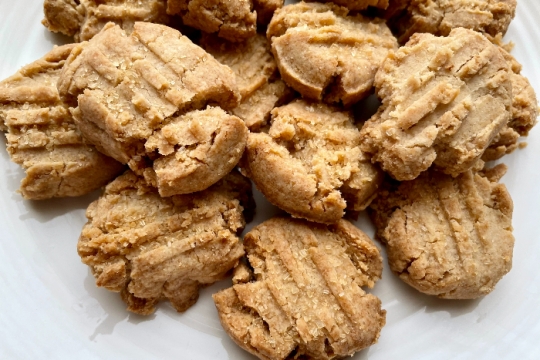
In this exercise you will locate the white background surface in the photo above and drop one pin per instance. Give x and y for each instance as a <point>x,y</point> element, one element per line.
<point>51,309</point>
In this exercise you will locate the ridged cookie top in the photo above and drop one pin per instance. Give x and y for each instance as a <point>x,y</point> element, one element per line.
<point>324,54</point>
<point>305,296</point>
<point>310,163</point>
<point>439,17</point>
<point>150,247</point>
<point>84,19</point>
<point>450,237</point>
<point>42,136</point>
<point>444,99</point>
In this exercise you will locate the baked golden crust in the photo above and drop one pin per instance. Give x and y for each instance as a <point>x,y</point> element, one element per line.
<point>444,100</point>
<point>310,163</point>
<point>83,19</point>
<point>232,20</point>
<point>148,247</point>
<point>325,54</point>
<point>439,17</point>
<point>42,136</point>
<point>134,89</point>
<point>450,237</point>
<point>304,298</point>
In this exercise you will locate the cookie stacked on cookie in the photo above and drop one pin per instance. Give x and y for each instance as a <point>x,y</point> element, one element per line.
<point>280,105</point>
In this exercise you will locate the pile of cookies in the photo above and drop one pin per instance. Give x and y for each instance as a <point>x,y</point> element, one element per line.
<point>176,106</point>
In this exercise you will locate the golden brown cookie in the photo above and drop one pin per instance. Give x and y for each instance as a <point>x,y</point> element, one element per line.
<point>325,54</point>
<point>43,138</point>
<point>265,9</point>
<point>439,17</point>
<point>83,19</point>
<point>444,99</point>
<point>148,247</point>
<point>310,163</point>
<point>450,237</point>
<point>232,20</point>
<point>355,5</point>
<point>142,87</point>
<point>256,75</point>
<point>305,299</point>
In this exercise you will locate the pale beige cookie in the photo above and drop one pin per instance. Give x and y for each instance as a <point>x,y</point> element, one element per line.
<point>137,88</point>
<point>197,149</point>
<point>444,99</point>
<point>324,54</point>
<point>439,17</point>
<point>310,163</point>
<point>256,75</point>
<point>148,247</point>
<point>233,20</point>
<point>42,136</point>
<point>83,19</point>
<point>450,237</point>
<point>524,113</point>
<point>305,300</point>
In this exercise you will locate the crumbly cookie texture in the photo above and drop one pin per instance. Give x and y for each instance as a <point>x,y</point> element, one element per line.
<point>444,99</point>
<point>197,149</point>
<point>356,5</point>
<point>256,75</point>
<point>325,54</point>
<point>524,111</point>
<point>439,17</point>
<point>231,20</point>
<point>83,19</point>
<point>450,237</point>
<point>265,9</point>
<point>145,87</point>
<point>310,163</point>
<point>147,247</point>
<point>42,136</point>
<point>304,297</point>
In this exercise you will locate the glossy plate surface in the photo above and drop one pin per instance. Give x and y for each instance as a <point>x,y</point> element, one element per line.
<point>51,309</point>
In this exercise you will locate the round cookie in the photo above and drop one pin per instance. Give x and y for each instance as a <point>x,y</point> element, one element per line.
<point>304,298</point>
<point>444,99</point>
<point>84,19</point>
<point>129,90</point>
<point>310,163</point>
<point>42,136</point>
<point>440,17</point>
<point>148,247</point>
<point>449,237</point>
<point>325,54</point>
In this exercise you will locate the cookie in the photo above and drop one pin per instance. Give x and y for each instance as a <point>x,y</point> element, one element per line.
<point>256,75</point>
<point>231,20</point>
<point>444,99</point>
<point>439,17</point>
<point>133,88</point>
<point>147,247</point>
<point>305,299</point>
<point>356,5</point>
<point>325,54</point>
<point>449,237</point>
<point>42,136</point>
<point>310,163</point>
<point>196,150</point>
<point>85,18</point>
<point>265,9</point>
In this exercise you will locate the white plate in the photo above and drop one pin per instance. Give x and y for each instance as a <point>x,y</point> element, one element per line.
<point>51,309</point>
